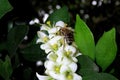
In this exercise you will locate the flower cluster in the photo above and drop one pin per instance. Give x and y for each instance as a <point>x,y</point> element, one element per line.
<point>61,63</point>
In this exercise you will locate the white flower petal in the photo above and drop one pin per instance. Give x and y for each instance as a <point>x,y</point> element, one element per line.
<point>41,34</point>
<point>78,54</point>
<point>36,20</point>
<point>70,48</point>
<point>42,77</point>
<point>60,51</point>
<point>54,75</point>
<point>76,77</point>
<point>73,67</point>
<point>42,37</point>
<point>74,59</point>
<point>51,36</point>
<point>62,77</point>
<point>31,22</point>
<point>39,63</point>
<point>47,50</point>
<point>45,46</point>
<point>59,59</point>
<point>44,27</point>
<point>60,24</point>
<point>66,61</point>
<point>55,40</point>
<point>54,30</point>
<point>64,68</point>
<point>49,65</point>
<point>39,40</point>
<point>52,56</point>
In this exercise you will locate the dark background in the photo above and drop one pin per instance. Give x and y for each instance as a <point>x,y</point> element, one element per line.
<point>100,17</point>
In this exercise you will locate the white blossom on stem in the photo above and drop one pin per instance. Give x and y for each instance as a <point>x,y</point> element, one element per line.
<point>61,63</point>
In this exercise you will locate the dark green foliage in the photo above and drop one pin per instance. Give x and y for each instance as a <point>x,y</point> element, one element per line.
<point>87,66</point>
<point>90,71</point>
<point>4,7</point>
<point>6,68</point>
<point>33,53</point>
<point>60,15</point>
<point>99,76</point>
<point>15,37</point>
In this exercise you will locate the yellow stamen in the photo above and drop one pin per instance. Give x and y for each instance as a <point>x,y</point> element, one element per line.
<point>48,23</point>
<point>69,76</point>
<point>55,47</point>
<point>57,33</point>
<point>62,41</point>
<point>57,69</point>
<point>45,39</point>
<point>68,53</point>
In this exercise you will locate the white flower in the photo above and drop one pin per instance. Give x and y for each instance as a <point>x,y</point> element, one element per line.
<point>42,77</point>
<point>70,50</point>
<point>46,47</point>
<point>52,69</point>
<point>61,63</point>
<point>52,56</point>
<point>44,27</point>
<point>76,77</point>
<point>55,69</point>
<point>68,67</point>
<point>53,30</point>
<point>52,45</point>
<point>60,24</point>
<point>66,62</point>
<point>42,37</point>
<point>56,40</point>
<point>70,76</point>
<point>67,51</point>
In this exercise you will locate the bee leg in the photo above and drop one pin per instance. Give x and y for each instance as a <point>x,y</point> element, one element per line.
<point>64,43</point>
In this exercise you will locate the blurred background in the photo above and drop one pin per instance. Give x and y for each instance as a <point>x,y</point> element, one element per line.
<point>99,15</point>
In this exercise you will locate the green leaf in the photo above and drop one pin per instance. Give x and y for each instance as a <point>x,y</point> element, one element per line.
<point>106,49</point>
<point>86,65</point>
<point>15,37</point>
<point>6,68</point>
<point>86,72</point>
<point>106,76</point>
<point>60,15</point>
<point>84,38</point>
<point>34,40</point>
<point>4,7</point>
<point>33,53</point>
<point>93,76</point>
<point>99,76</point>
<point>16,61</point>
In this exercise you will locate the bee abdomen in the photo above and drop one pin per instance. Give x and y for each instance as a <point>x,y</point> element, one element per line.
<point>69,39</point>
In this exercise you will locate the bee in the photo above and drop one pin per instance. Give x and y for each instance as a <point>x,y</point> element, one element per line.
<point>67,32</point>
